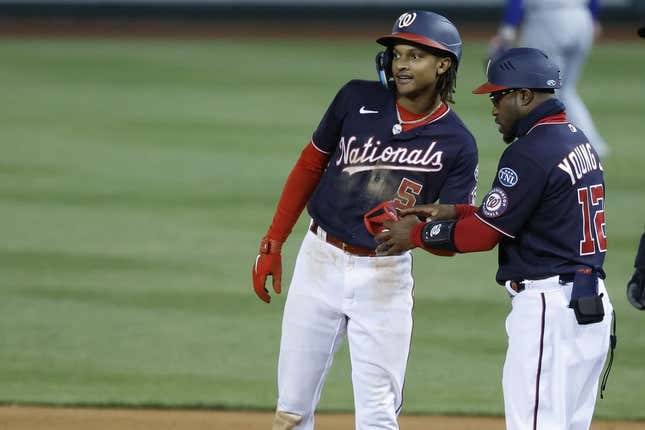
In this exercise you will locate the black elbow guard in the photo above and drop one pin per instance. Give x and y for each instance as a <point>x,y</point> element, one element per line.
<point>439,235</point>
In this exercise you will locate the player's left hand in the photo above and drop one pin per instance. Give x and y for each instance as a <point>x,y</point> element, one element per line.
<point>395,238</point>
<point>268,262</point>
<point>636,290</point>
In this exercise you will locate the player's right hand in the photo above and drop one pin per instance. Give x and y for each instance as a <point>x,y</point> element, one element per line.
<point>268,262</point>
<point>432,212</point>
<point>636,290</point>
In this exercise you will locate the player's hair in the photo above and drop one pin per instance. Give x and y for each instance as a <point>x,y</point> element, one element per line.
<point>446,84</point>
<point>448,81</point>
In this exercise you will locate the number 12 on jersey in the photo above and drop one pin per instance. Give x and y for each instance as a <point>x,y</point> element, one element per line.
<point>592,202</point>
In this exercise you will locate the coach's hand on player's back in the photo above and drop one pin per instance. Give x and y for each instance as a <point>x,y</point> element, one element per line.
<point>268,262</point>
<point>433,211</point>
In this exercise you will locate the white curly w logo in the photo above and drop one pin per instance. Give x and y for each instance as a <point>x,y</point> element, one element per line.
<point>407,19</point>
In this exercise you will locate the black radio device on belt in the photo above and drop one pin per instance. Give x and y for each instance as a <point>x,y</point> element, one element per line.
<point>585,300</point>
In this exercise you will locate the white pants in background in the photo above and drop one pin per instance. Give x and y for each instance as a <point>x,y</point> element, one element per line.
<point>553,364</point>
<point>566,35</point>
<point>334,295</point>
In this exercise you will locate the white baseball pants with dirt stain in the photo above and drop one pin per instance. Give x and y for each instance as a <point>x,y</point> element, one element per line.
<point>335,295</point>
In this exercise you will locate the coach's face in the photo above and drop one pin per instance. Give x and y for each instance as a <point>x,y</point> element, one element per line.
<point>511,105</point>
<point>506,112</point>
<point>416,70</point>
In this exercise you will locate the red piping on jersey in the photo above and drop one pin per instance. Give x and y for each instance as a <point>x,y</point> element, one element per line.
<point>316,146</point>
<point>492,226</point>
<point>558,118</point>
<point>300,185</point>
<point>406,115</point>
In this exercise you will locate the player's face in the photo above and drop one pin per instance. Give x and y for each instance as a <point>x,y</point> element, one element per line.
<point>416,70</point>
<point>506,112</point>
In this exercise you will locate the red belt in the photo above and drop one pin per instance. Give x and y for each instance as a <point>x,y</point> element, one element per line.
<point>350,249</point>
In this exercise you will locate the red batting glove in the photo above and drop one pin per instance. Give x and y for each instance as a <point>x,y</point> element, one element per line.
<point>375,217</point>
<point>268,262</point>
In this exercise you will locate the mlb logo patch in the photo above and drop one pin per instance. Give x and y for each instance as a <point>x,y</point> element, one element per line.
<point>507,177</point>
<point>495,203</point>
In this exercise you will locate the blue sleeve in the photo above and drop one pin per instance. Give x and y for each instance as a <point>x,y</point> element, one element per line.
<point>327,134</point>
<point>513,13</point>
<point>460,186</point>
<point>594,8</point>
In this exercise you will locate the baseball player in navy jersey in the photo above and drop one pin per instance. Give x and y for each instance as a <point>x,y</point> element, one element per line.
<point>564,30</point>
<point>395,140</point>
<point>546,212</point>
<point>636,285</point>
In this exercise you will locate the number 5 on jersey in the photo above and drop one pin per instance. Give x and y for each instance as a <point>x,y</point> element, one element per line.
<point>406,195</point>
<point>592,200</point>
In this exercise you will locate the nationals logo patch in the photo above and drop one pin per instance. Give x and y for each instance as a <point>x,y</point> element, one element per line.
<point>507,177</point>
<point>495,203</point>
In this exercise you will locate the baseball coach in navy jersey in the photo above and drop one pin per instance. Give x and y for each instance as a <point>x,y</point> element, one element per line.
<point>546,211</point>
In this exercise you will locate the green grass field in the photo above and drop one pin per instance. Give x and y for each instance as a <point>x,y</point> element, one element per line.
<point>137,177</point>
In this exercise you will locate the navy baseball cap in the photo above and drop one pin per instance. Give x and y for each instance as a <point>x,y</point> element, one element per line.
<point>520,68</point>
<point>427,29</point>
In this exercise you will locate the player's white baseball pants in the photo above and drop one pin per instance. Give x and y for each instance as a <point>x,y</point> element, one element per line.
<point>552,363</point>
<point>332,295</point>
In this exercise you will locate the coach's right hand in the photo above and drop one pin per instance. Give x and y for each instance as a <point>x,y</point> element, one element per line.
<point>433,211</point>
<point>268,262</point>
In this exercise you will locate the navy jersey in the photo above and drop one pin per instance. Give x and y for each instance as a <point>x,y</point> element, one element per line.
<point>369,164</point>
<point>548,200</point>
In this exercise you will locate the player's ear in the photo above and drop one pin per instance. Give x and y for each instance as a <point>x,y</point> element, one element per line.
<point>443,65</point>
<point>526,96</point>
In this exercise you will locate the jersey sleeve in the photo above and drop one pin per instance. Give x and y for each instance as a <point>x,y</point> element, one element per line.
<point>594,8</point>
<point>513,12</point>
<point>326,136</point>
<point>517,190</point>
<point>461,184</point>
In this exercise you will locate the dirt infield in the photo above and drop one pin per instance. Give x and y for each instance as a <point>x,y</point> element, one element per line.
<point>41,418</point>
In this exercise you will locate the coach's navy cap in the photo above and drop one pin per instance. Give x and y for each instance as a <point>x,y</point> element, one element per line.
<point>520,68</point>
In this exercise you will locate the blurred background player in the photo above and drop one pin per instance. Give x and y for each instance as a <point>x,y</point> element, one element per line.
<point>636,285</point>
<point>391,140</point>
<point>565,31</point>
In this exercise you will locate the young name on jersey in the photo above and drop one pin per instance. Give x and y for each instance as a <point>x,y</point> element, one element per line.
<point>579,162</point>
